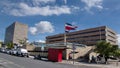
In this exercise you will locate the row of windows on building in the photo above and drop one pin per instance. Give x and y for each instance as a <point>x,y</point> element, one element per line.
<point>86,32</point>
<point>75,34</point>
<point>82,37</point>
<point>82,40</point>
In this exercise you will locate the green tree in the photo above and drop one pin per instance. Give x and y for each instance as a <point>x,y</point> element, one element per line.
<point>23,41</point>
<point>106,49</point>
<point>116,52</point>
<point>10,45</point>
<point>1,43</point>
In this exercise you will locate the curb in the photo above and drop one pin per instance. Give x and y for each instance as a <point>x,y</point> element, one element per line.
<point>92,65</point>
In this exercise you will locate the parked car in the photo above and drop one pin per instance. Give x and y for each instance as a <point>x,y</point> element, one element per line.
<point>3,50</point>
<point>22,52</point>
<point>8,51</point>
<point>13,52</point>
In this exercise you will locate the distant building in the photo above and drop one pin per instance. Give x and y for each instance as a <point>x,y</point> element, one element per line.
<point>88,36</point>
<point>15,32</point>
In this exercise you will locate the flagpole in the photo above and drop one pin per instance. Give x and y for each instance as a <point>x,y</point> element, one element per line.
<point>68,27</point>
<point>65,42</point>
<point>64,36</point>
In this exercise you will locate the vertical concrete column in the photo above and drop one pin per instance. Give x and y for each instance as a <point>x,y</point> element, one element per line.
<point>67,53</point>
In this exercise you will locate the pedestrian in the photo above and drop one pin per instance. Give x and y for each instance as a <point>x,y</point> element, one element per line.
<point>98,59</point>
<point>90,58</point>
<point>70,56</point>
<point>106,59</point>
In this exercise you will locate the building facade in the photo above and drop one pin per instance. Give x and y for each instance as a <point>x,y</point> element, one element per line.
<point>15,32</point>
<point>88,36</point>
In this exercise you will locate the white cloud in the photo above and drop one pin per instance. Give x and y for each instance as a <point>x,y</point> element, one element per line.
<point>33,30</point>
<point>118,38</point>
<point>41,41</point>
<point>23,9</point>
<point>45,1</point>
<point>38,2</point>
<point>36,7</point>
<point>93,3</point>
<point>42,27</point>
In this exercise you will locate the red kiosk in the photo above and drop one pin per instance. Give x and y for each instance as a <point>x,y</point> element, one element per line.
<point>55,54</point>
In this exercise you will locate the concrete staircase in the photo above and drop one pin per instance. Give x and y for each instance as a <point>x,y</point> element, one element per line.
<point>82,51</point>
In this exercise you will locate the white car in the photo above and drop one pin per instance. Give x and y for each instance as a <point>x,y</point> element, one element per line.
<point>14,51</point>
<point>22,52</point>
<point>3,50</point>
<point>10,51</point>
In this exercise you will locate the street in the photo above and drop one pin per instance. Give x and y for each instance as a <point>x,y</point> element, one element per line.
<point>8,61</point>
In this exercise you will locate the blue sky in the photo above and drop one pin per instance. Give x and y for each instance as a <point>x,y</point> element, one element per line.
<point>47,17</point>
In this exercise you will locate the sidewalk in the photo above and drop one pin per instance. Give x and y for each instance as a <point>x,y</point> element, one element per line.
<point>110,65</point>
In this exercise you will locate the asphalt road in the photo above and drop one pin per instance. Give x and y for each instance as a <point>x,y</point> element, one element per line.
<point>8,61</point>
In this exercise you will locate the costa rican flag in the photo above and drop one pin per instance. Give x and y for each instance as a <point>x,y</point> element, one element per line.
<point>69,27</point>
